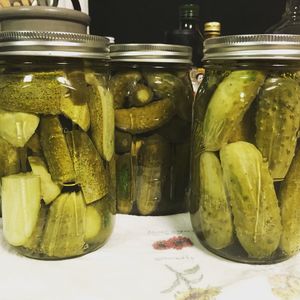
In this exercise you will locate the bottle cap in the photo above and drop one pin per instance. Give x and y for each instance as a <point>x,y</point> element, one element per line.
<point>212,27</point>
<point>189,11</point>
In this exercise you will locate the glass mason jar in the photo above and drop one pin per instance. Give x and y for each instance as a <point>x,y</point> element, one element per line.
<point>56,143</point>
<point>153,99</point>
<point>245,180</point>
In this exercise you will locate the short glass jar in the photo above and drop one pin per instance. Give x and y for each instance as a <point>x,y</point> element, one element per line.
<point>245,181</point>
<point>153,99</point>
<point>56,143</point>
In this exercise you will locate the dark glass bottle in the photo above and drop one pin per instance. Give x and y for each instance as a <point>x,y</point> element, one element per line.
<point>290,20</point>
<point>188,33</point>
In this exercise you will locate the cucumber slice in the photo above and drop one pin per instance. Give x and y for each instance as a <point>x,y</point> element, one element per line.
<point>49,189</point>
<point>16,127</point>
<point>21,195</point>
<point>78,113</point>
<point>93,224</point>
<point>102,118</point>
<point>64,231</point>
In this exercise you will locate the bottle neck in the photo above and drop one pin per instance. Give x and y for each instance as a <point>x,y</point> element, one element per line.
<point>292,8</point>
<point>189,23</point>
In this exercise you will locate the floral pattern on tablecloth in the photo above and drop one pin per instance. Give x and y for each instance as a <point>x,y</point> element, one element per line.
<point>285,286</point>
<point>186,285</point>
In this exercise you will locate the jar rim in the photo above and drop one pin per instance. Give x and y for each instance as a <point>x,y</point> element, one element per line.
<point>252,47</point>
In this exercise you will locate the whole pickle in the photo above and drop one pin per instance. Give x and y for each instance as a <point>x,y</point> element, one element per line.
<point>140,95</point>
<point>56,151</point>
<point>152,174</point>
<point>121,84</point>
<point>277,123</point>
<point>9,159</point>
<point>102,117</point>
<point>228,105</point>
<point>253,199</point>
<point>290,209</point>
<point>123,142</point>
<point>125,184</point>
<point>89,168</point>
<point>64,231</point>
<point>39,93</point>
<point>167,85</point>
<point>214,212</point>
<point>138,120</point>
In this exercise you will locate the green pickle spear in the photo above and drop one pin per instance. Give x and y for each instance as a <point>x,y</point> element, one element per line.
<point>290,209</point>
<point>228,106</point>
<point>64,230</point>
<point>277,123</point>
<point>152,174</point>
<point>253,199</point>
<point>214,211</point>
<point>121,84</point>
<point>9,159</point>
<point>125,183</point>
<point>89,167</point>
<point>143,119</point>
<point>38,92</point>
<point>102,117</point>
<point>21,202</point>
<point>167,85</point>
<point>56,150</point>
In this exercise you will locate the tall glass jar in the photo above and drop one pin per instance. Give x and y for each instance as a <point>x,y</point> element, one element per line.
<point>56,143</point>
<point>245,181</point>
<point>153,99</point>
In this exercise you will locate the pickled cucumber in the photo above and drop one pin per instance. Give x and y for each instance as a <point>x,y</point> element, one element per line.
<point>152,174</point>
<point>290,209</point>
<point>79,114</point>
<point>93,224</point>
<point>123,141</point>
<point>228,105</point>
<point>140,95</point>
<point>21,202</point>
<point>9,159</point>
<point>214,213</point>
<point>49,189</point>
<point>78,87</point>
<point>89,168</point>
<point>102,119</point>
<point>34,144</point>
<point>65,227</point>
<point>34,242</point>
<point>39,92</point>
<point>167,85</point>
<point>16,127</point>
<point>125,183</point>
<point>277,123</point>
<point>56,151</point>
<point>253,200</point>
<point>121,84</point>
<point>143,119</point>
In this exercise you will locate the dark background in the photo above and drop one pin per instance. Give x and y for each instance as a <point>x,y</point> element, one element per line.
<point>146,20</point>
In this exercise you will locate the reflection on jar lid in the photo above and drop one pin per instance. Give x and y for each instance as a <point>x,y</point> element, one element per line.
<point>252,47</point>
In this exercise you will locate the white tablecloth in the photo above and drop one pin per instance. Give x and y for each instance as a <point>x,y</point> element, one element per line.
<point>134,265</point>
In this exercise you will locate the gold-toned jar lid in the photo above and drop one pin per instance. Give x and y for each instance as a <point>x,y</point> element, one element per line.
<point>212,26</point>
<point>253,47</point>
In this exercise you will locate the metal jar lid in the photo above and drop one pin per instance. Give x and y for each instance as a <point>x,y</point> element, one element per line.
<point>48,31</point>
<point>253,47</point>
<point>159,53</point>
<point>53,44</point>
